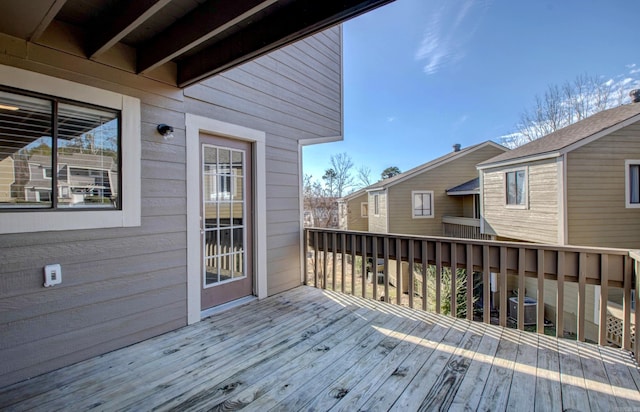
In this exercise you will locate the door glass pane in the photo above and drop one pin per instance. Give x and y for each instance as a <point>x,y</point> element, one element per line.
<point>238,265</point>
<point>225,213</point>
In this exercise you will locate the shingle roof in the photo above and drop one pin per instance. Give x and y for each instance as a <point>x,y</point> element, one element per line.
<point>571,134</point>
<point>472,185</point>
<point>429,165</point>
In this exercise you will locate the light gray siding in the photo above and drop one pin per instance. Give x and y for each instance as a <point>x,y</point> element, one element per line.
<point>124,285</point>
<point>596,211</point>
<point>378,222</point>
<point>539,220</point>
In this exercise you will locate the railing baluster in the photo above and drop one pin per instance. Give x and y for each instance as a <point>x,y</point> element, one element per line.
<point>469,271</point>
<point>316,256</point>
<point>399,271</point>
<point>364,266</point>
<point>604,298</point>
<point>540,294</point>
<point>454,265</point>
<point>626,303</point>
<point>521,290</point>
<point>486,286</point>
<point>503,286</point>
<point>305,250</point>
<point>374,267</point>
<point>438,275</point>
<point>582,278</point>
<point>343,261</point>
<point>386,269</point>
<point>325,261</point>
<point>560,296</point>
<point>425,264</point>
<point>354,242</point>
<point>410,288</point>
<point>334,252</point>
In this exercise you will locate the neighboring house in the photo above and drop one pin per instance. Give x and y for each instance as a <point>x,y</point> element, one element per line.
<point>421,200</point>
<point>239,98</point>
<point>577,186</point>
<point>353,211</point>
<point>321,212</point>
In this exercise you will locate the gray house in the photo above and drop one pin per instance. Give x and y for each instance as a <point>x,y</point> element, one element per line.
<point>201,108</point>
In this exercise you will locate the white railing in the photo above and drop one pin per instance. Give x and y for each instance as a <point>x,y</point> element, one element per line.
<point>415,271</point>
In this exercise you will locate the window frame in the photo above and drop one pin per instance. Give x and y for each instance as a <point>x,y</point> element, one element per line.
<point>364,209</point>
<point>129,215</point>
<point>431,204</point>
<point>627,183</point>
<point>525,203</point>
<point>376,204</point>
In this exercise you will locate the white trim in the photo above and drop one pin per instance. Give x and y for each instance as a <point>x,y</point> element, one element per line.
<point>130,215</point>
<point>464,193</point>
<point>361,209</point>
<point>482,222</point>
<point>627,193</point>
<point>320,140</point>
<point>431,200</point>
<point>194,126</point>
<point>226,306</point>
<point>376,204</point>
<point>519,160</point>
<point>428,166</point>
<point>525,205</point>
<point>301,217</point>
<point>563,226</point>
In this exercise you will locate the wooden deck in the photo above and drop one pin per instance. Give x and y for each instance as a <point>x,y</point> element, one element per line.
<point>309,349</point>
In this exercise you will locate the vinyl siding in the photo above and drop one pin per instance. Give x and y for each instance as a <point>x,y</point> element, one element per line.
<point>597,215</point>
<point>355,221</point>
<point>378,223</point>
<point>124,285</point>
<point>536,223</point>
<point>437,180</point>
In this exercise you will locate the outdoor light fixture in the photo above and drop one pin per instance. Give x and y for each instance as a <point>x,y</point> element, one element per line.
<point>165,130</point>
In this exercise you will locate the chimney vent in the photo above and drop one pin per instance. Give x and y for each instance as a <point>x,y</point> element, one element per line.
<point>635,95</point>
<point>456,147</point>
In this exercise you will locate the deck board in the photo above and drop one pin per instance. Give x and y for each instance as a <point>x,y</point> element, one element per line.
<point>309,349</point>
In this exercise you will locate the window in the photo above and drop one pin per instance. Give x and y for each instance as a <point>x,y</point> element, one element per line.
<point>516,188</point>
<point>364,209</point>
<point>422,204</point>
<point>376,205</point>
<point>632,177</point>
<point>74,148</point>
<point>46,132</point>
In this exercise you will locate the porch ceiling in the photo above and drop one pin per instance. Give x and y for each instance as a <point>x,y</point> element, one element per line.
<point>201,37</point>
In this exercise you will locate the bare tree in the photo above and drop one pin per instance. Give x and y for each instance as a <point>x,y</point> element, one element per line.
<point>342,164</point>
<point>319,207</point>
<point>364,176</point>
<point>562,106</point>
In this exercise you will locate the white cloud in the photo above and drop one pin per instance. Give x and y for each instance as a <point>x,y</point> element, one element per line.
<point>391,119</point>
<point>447,31</point>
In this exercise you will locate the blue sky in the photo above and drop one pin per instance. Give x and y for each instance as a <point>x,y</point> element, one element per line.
<point>422,75</point>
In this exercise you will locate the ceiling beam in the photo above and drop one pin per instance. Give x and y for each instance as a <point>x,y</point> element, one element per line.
<point>201,24</point>
<point>286,25</point>
<point>47,19</point>
<point>117,24</point>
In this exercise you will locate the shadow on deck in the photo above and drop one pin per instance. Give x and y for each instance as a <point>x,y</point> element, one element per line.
<point>309,349</point>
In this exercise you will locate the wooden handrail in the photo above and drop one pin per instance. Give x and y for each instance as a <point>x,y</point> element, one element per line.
<point>376,255</point>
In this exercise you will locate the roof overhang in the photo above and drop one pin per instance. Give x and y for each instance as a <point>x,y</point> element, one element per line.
<point>200,38</point>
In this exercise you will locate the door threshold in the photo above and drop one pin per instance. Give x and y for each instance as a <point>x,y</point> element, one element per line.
<point>226,306</point>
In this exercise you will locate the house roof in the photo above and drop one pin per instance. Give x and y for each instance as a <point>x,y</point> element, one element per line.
<point>353,195</point>
<point>196,38</point>
<point>600,123</point>
<point>383,184</point>
<point>470,187</point>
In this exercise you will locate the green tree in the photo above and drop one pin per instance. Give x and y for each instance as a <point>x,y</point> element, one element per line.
<point>390,172</point>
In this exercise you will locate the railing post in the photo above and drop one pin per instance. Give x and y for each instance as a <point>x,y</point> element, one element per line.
<point>503,286</point>
<point>343,261</point>
<point>374,267</point>
<point>353,263</point>
<point>521,289</point>
<point>325,248</point>
<point>316,276</point>
<point>425,264</point>
<point>411,278</point>
<point>486,286</point>
<point>305,251</point>
<point>582,277</point>
<point>398,271</point>
<point>438,276</point>
<point>386,269</point>
<point>364,266</point>
<point>469,270</point>
<point>334,254</point>
<point>560,296</point>
<point>453,299</point>
<point>626,303</point>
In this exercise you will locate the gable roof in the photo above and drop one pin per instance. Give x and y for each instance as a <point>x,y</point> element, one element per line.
<point>353,195</point>
<point>595,126</point>
<point>383,184</point>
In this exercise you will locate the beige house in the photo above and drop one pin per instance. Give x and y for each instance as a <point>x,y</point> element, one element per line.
<point>203,108</point>
<point>577,186</point>
<point>422,200</point>
<point>353,211</point>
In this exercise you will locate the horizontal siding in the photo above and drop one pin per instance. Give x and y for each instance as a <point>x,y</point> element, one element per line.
<point>537,223</point>
<point>124,285</point>
<point>438,180</point>
<point>378,223</point>
<point>354,214</point>
<point>596,210</point>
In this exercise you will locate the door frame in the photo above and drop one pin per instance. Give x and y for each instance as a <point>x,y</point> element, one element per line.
<point>194,125</point>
